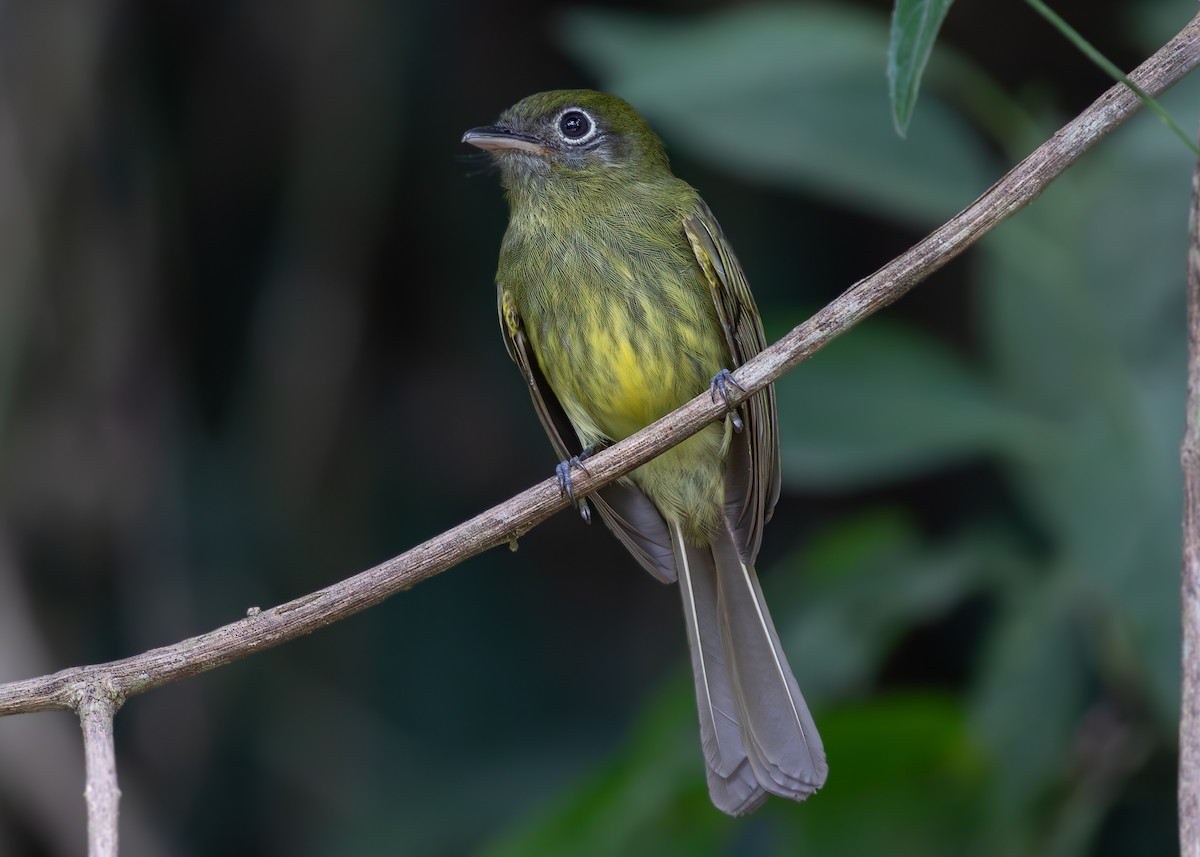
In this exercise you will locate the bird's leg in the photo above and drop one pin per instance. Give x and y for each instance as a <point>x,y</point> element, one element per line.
<point>563,472</point>
<point>721,382</point>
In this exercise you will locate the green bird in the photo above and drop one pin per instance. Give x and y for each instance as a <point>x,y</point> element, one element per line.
<point>620,299</point>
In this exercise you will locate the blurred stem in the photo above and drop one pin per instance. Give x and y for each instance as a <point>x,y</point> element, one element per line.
<point>1088,50</point>
<point>19,254</point>
<point>1189,720</point>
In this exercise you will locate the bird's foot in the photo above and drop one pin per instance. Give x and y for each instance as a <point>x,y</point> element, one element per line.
<point>720,384</point>
<point>563,472</point>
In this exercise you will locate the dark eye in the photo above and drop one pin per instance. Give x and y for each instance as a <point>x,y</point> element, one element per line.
<point>575,126</point>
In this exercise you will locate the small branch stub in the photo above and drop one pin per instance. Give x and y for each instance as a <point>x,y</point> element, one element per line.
<point>97,704</point>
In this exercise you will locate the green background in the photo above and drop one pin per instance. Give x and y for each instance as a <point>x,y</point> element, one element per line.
<point>248,347</point>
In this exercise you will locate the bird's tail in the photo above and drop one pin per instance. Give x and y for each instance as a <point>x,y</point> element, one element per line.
<point>757,733</point>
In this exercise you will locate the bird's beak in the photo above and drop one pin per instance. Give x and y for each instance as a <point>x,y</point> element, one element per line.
<point>494,138</point>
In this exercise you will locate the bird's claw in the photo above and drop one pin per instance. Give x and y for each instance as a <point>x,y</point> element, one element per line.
<point>720,384</point>
<point>563,472</point>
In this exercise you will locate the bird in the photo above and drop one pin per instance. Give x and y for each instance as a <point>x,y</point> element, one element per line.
<point>620,299</point>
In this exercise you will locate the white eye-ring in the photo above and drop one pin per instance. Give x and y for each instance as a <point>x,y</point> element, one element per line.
<point>576,127</point>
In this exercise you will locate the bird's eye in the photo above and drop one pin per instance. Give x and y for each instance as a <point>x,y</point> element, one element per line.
<point>576,127</point>
<point>574,124</point>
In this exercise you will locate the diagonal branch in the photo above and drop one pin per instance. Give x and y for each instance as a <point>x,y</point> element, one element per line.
<point>512,519</point>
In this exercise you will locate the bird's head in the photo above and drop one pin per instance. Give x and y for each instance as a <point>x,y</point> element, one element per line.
<point>570,133</point>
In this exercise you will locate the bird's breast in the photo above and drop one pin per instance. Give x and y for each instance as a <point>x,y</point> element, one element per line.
<point>623,327</point>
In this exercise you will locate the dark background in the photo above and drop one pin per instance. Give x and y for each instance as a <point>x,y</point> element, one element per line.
<point>248,346</point>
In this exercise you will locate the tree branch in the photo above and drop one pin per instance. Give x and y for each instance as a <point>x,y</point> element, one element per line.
<point>1189,713</point>
<point>97,705</point>
<point>84,689</point>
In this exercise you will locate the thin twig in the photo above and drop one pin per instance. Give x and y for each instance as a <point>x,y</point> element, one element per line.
<point>511,520</point>
<point>1189,714</point>
<point>1088,50</point>
<point>97,704</point>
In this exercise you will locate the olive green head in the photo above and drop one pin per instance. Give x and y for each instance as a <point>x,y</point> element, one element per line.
<point>570,132</point>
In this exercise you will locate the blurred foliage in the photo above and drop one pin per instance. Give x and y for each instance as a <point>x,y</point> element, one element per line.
<point>718,85</point>
<point>1112,70</point>
<point>248,346</point>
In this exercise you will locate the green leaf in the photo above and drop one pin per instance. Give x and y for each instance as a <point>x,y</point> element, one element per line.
<point>1035,654</point>
<point>915,25</point>
<point>786,95</point>
<point>1084,320</point>
<point>650,797</point>
<point>863,584</point>
<point>1031,695</point>
<point>887,402</point>
<point>906,779</point>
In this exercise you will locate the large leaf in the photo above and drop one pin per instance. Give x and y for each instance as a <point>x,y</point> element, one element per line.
<point>648,798</point>
<point>915,25</point>
<point>790,95</point>
<point>1084,318</point>
<point>862,585</point>
<point>1028,706</point>
<point>906,779</point>
<point>886,402</point>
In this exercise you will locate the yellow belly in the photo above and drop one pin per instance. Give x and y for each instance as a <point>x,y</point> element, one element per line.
<point>635,391</point>
<point>619,385</point>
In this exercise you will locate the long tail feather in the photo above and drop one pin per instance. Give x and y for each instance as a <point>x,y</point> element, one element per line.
<point>781,739</point>
<point>757,733</point>
<point>732,783</point>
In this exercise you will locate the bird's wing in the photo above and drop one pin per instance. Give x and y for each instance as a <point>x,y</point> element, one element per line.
<point>625,510</point>
<point>752,469</point>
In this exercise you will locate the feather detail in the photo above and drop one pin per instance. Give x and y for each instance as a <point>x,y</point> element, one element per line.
<point>732,783</point>
<point>755,728</point>
<point>778,732</point>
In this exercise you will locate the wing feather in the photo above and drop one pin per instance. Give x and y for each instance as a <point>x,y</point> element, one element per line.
<point>752,469</point>
<point>626,511</point>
